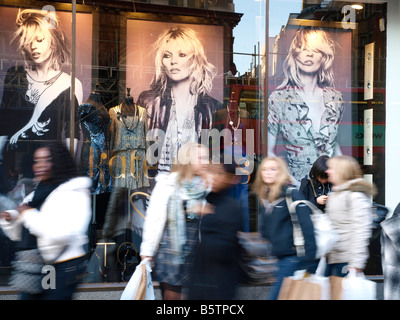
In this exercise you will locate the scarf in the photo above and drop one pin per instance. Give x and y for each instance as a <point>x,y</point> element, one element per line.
<point>270,206</point>
<point>42,191</point>
<point>193,192</point>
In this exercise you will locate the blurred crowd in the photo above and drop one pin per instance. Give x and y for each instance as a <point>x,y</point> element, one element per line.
<point>192,222</point>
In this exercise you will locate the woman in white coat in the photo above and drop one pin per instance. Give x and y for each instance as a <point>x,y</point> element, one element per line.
<point>349,207</point>
<point>170,231</point>
<point>54,219</point>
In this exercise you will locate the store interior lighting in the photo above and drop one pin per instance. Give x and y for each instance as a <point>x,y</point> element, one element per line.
<point>357,6</point>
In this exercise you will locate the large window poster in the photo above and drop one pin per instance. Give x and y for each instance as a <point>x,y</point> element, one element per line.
<point>175,71</point>
<point>35,81</point>
<point>309,107</point>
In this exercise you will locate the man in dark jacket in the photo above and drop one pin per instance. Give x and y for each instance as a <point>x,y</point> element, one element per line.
<point>215,272</point>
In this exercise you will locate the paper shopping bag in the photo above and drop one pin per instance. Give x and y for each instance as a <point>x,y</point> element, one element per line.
<point>336,287</point>
<point>141,291</point>
<point>301,289</point>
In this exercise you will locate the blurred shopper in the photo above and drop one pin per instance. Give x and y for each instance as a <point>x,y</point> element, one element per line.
<point>170,230</point>
<point>215,272</point>
<point>271,184</point>
<point>391,255</point>
<point>349,207</point>
<point>317,187</point>
<point>54,218</point>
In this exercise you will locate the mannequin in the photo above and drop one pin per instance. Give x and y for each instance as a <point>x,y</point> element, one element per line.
<point>128,106</point>
<point>232,118</point>
<point>128,145</point>
<point>233,146</point>
<point>96,121</point>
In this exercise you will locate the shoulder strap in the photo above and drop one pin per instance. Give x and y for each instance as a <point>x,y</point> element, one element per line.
<point>312,185</point>
<point>298,237</point>
<point>309,204</point>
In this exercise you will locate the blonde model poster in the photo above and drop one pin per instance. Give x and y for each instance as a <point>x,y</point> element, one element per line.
<point>35,86</point>
<point>309,96</point>
<point>175,72</point>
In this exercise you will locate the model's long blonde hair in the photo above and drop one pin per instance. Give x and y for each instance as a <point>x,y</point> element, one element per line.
<point>271,192</point>
<point>31,21</point>
<point>315,40</point>
<point>202,72</point>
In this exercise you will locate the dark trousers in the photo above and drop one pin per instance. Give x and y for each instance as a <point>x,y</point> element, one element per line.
<point>286,268</point>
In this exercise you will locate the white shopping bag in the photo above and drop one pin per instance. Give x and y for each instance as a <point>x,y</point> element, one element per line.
<point>355,286</point>
<point>13,228</point>
<point>140,286</point>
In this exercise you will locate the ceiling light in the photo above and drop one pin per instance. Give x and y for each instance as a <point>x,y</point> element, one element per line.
<point>357,6</point>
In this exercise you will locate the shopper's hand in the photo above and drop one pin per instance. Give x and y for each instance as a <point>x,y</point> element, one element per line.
<point>358,270</point>
<point>23,207</point>
<point>207,209</point>
<point>6,216</point>
<point>322,200</point>
<point>146,257</point>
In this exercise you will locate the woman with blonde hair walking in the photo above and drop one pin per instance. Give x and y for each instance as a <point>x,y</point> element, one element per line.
<point>170,231</point>
<point>349,208</point>
<point>271,185</point>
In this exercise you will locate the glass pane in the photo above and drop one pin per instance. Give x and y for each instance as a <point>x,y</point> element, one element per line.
<point>118,84</point>
<point>326,83</point>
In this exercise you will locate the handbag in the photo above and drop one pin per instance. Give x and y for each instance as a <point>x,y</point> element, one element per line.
<point>27,274</point>
<point>255,259</point>
<point>140,285</point>
<point>325,234</point>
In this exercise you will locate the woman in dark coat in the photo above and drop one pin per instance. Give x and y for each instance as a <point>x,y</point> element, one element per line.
<point>316,187</point>
<point>215,273</point>
<point>271,185</point>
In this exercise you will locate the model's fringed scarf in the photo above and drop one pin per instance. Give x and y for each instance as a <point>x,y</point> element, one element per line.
<point>194,193</point>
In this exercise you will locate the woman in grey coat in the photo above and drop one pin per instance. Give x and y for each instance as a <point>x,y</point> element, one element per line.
<point>349,208</point>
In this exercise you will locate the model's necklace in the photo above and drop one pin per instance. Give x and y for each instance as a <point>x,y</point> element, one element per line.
<point>122,117</point>
<point>230,120</point>
<point>37,88</point>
